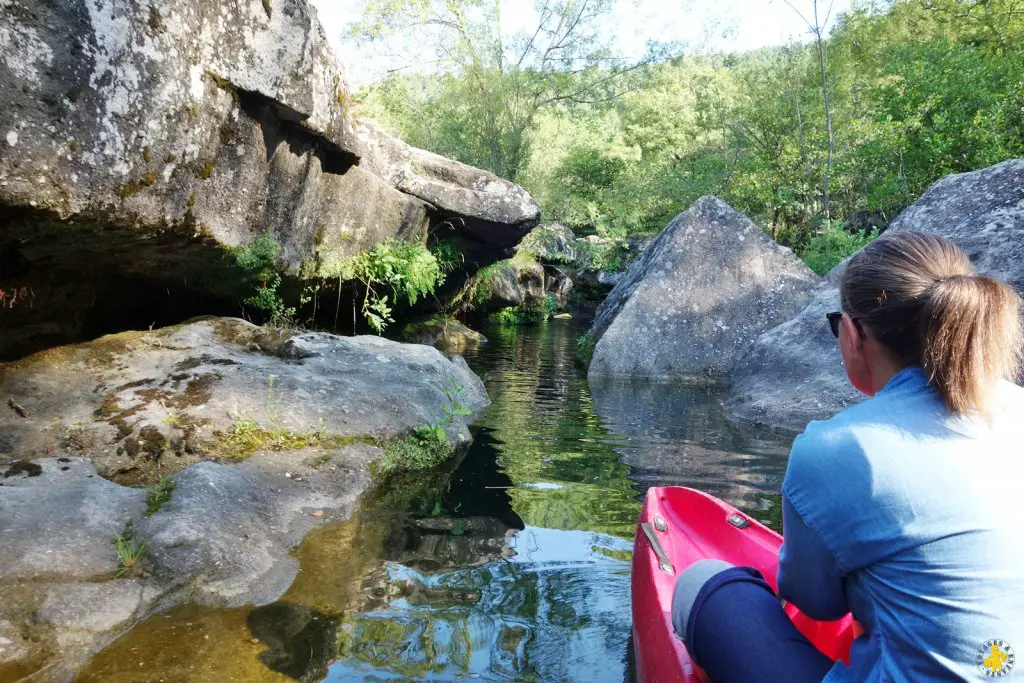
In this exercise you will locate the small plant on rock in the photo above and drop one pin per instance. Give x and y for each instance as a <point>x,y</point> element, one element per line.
<point>130,550</point>
<point>585,348</point>
<point>157,494</point>
<point>428,445</point>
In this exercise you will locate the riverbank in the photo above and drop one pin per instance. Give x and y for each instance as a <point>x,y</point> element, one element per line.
<point>179,466</point>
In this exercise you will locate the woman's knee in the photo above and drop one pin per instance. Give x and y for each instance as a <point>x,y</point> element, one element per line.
<point>688,587</point>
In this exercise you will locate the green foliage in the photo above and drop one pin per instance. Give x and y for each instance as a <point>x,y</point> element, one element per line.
<point>259,255</point>
<point>510,316</point>
<point>130,551</point>
<point>490,88</point>
<point>609,255</point>
<point>919,89</point>
<point>409,271</point>
<point>157,494</point>
<point>585,348</point>
<point>260,259</point>
<point>428,445</point>
<point>526,314</point>
<point>833,244</point>
<point>448,255</point>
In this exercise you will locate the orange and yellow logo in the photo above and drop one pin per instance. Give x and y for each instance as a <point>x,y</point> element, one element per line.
<point>995,658</point>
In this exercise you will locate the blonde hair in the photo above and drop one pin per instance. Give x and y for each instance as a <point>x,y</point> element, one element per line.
<point>922,299</point>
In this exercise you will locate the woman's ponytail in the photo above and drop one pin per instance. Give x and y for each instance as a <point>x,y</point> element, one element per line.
<point>920,296</point>
<point>971,339</point>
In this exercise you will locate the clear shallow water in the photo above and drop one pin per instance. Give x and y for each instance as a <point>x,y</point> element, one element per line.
<point>512,565</point>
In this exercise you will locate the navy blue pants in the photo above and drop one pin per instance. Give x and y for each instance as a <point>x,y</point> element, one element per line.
<point>736,630</point>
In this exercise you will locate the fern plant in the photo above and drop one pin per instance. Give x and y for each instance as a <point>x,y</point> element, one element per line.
<point>409,271</point>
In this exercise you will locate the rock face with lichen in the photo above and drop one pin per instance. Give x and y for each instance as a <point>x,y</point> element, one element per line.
<point>266,434</point>
<point>700,292</point>
<point>147,403</point>
<point>793,374</point>
<point>141,139</point>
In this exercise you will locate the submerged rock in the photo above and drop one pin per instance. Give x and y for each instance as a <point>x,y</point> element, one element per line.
<point>139,141</point>
<point>687,308</point>
<point>793,373</point>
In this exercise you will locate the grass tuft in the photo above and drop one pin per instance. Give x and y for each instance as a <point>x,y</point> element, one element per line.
<point>157,494</point>
<point>130,550</point>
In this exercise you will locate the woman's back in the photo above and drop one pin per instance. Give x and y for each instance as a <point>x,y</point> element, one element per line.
<point>921,512</point>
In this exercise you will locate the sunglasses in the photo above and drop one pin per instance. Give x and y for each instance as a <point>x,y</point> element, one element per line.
<point>837,317</point>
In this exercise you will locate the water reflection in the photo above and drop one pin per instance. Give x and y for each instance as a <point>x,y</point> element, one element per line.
<point>555,610</point>
<point>679,435</point>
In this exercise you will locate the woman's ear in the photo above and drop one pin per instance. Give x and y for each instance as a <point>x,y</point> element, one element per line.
<point>852,344</point>
<point>853,332</point>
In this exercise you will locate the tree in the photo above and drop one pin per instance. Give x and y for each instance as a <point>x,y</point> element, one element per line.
<point>817,29</point>
<point>503,82</point>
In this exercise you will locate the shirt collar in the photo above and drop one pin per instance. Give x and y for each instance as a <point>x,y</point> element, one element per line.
<point>908,379</point>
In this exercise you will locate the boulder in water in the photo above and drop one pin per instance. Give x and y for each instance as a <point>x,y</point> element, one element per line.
<point>793,373</point>
<point>696,297</point>
<point>446,334</point>
<point>265,434</point>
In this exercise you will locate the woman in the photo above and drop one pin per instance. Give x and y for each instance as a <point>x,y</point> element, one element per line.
<point>904,509</point>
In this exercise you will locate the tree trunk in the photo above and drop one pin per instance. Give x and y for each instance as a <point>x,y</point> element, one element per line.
<point>823,65</point>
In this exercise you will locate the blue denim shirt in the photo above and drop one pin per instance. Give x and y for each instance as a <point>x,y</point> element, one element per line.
<point>912,519</point>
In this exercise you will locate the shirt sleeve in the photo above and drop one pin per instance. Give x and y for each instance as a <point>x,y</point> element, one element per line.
<point>808,576</point>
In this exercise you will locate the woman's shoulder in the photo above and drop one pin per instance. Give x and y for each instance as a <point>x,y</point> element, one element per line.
<point>835,454</point>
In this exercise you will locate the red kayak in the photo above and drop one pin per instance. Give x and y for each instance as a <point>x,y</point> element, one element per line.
<point>678,527</point>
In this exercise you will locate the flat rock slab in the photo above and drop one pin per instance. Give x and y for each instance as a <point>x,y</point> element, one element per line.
<point>145,404</point>
<point>60,520</point>
<point>91,607</point>
<point>793,373</point>
<point>701,291</point>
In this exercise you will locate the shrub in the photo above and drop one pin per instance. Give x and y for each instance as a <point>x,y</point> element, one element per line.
<point>428,445</point>
<point>833,244</point>
<point>260,258</point>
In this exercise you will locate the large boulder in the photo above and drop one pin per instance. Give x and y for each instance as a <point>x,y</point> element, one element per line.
<point>686,309</point>
<point>140,404</point>
<point>265,435</point>
<point>793,374</point>
<point>142,140</point>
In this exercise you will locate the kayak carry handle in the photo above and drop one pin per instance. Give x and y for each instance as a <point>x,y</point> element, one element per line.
<point>664,564</point>
<point>738,520</point>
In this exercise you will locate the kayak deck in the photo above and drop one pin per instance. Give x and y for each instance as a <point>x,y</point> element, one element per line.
<point>678,527</point>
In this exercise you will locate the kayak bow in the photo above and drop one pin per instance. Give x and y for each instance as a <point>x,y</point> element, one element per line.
<point>678,527</point>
